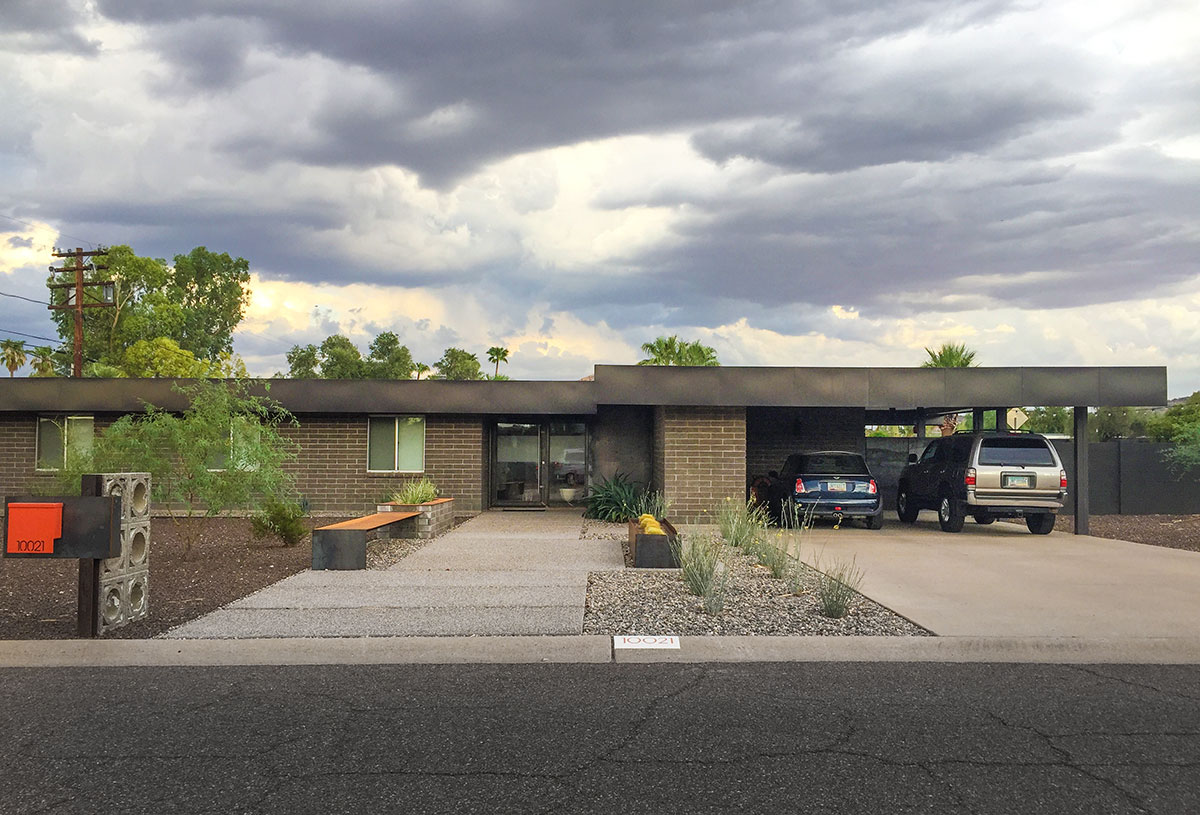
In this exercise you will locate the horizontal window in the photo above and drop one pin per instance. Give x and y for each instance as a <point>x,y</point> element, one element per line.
<point>396,444</point>
<point>244,435</point>
<point>60,439</point>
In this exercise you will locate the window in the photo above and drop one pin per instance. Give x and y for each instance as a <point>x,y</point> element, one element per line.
<point>244,433</point>
<point>1015,452</point>
<point>60,438</point>
<point>396,444</point>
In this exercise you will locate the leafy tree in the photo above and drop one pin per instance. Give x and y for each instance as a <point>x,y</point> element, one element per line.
<point>497,354</point>
<point>388,359</point>
<point>457,364</point>
<point>950,355</point>
<point>43,361</point>
<point>197,302</point>
<point>161,358</point>
<point>12,352</point>
<point>340,358</point>
<point>1177,420</point>
<point>1049,420</point>
<point>212,291</point>
<point>303,361</point>
<point>420,368</point>
<point>674,351</point>
<point>225,451</point>
<point>1107,423</point>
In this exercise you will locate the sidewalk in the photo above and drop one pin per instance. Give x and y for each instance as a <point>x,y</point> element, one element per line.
<point>500,573</point>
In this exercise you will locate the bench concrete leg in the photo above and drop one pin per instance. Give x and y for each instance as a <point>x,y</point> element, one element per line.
<point>339,549</point>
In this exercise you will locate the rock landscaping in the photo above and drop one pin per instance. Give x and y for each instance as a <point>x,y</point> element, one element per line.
<point>656,601</point>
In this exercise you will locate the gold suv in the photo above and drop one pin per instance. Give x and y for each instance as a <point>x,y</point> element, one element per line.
<point>987,476</point>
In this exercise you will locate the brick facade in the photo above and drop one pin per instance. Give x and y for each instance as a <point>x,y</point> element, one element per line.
<point>699,457</point>
<point>772,434</point>
<point>331,471</point>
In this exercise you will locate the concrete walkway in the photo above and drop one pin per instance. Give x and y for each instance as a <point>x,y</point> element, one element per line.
<point>500,573</point>
<point>1000,581</point>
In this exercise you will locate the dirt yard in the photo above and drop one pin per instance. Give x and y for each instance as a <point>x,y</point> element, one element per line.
<point>1173,531</point>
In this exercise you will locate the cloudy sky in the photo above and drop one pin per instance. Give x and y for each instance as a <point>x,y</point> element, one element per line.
<point>818,182</point>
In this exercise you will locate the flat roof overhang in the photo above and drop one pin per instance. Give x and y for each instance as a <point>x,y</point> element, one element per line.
<point>308,396</point>
<point>925,389</point>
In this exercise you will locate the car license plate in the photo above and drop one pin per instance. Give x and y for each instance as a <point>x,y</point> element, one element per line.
<point>836,486</point>
<point>1023,481</point>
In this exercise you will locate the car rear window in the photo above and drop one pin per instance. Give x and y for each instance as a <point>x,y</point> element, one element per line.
<point>844,463</point>
<point>1030,452</point>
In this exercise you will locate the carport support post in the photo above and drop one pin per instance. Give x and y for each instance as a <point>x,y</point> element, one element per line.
<point>977,419</point>
<point>1080,487</point>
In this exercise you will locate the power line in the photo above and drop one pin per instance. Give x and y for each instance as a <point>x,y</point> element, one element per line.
<point>37,226</point>
<point>26,299</point>
<point>31,336</point>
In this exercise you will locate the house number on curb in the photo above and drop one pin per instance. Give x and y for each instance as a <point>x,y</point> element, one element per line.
<point>646,641</point>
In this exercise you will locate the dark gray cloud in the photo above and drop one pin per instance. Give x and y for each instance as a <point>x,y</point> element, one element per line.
<point>44,25</point>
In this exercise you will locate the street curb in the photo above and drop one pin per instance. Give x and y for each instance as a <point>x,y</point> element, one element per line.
<point>589,650</point>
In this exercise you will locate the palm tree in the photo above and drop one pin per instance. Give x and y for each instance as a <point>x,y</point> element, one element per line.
<point>497,355</point>
<point>43,361</point>
<point>12,352</point>
<point>420,368</point>
<point>950,355</point>
<point>661,351</point>
<point>693,353</point>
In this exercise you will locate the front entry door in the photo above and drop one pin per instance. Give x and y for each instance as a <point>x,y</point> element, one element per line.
<point>539,463</point>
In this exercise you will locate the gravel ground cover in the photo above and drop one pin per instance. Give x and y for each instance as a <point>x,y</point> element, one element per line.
<point>656,601</point>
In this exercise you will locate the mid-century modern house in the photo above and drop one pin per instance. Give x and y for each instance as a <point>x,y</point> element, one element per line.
<point>696,434</point>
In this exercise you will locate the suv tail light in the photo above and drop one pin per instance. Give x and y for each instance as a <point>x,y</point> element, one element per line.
<point>873,488</point>
<point>799,485</point>
<point>969,478</point>
<point>1062,479</point>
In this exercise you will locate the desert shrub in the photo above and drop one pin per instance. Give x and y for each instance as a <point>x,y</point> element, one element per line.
<point>772,552</point>
<point>741,524</point>
<point>416,492</point>
<point>650,502</point>
<point>613,499</point>
<point>837,586</point>
<point>283,519</point>
<point>698,556</point>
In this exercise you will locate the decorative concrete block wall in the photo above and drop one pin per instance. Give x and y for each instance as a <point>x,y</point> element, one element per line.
<point>699,457</point>
<point>436,518</point>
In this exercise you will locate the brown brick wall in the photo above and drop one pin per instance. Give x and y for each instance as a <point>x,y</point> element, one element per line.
<point>702,455</point>
<point>331,468</point>
<point>331,471</point>
<point>772,434</point>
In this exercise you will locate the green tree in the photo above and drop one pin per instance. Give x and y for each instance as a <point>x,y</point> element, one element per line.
<point>340,358</point>
<point>161,358</point>
<point>12,352</point>
<point>43,361</point>
<point>225,451</point>
<point>302,362</point>
<point>212,291</point>
<point>457,364</point>
<point>497,354</point>
<point>197,302</point>
<point>420,368</point>
<point>674,351</point>
<point>1049,420</point>
<point>388,359</point>
<point>950,355</point>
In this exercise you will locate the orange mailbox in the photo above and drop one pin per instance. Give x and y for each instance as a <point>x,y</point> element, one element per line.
<point>33,528</point>
<point>70,527</point>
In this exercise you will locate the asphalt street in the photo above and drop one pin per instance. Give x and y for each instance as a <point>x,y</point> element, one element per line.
<point>816,738</point>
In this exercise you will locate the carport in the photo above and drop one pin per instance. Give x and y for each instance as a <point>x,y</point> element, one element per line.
<point>716,428</point>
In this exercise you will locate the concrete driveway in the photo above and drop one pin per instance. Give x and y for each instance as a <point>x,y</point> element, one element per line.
<point>1000,581</point>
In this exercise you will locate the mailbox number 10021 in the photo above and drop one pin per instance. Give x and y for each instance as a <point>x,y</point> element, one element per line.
<point>31,546</point>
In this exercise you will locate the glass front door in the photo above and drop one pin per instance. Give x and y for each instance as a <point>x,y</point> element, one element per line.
<point>539,463</point>
<point>517,476</point>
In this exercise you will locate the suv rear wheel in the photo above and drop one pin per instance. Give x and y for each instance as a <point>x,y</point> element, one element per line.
<point>1040,524</point>
<point>906,510</point>
<point>984,518</point>
<point>950,514</point>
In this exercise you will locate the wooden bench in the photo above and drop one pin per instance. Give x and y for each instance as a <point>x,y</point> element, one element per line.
<point>344,545</point>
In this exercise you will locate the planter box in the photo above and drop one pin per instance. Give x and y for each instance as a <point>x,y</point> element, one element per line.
<point>653,551</point>
<point>437,517</point>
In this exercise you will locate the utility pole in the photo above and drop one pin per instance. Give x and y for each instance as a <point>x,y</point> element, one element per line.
<point>75,298</point>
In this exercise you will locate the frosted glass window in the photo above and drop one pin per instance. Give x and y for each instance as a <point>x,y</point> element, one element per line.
<point>396,444</point>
